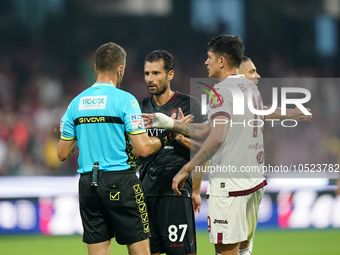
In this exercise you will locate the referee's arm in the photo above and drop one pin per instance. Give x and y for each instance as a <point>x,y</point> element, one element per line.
<point>66,148</point>
<point>145,145</point>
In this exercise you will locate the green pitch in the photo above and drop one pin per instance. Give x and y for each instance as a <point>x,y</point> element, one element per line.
<point>267,242</point>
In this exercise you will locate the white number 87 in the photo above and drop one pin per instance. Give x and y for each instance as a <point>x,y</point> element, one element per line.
<point>173,232</point>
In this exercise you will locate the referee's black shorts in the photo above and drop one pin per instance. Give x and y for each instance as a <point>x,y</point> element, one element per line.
<point>116,208</point>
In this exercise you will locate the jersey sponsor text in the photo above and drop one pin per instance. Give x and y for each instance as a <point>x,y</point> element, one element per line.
<point>92,102</point>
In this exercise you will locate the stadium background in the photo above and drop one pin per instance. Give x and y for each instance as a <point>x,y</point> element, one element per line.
<point>46,58</point>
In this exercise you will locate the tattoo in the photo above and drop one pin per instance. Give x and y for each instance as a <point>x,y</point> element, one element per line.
<point>187,129</point>
<point>207,155</point>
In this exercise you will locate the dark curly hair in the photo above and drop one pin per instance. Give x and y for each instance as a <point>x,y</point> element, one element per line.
<point>231,47</point>
<point>156,55</point>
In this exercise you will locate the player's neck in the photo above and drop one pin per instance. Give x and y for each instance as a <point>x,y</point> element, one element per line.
<point>163,98</point>
<point>228,72</point>
<point>107,78</point>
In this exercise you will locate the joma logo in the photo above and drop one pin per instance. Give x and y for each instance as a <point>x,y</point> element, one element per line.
<point>220,221</point>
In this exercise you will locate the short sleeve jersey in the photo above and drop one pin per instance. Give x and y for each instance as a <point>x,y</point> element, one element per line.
<point>243,146</point>
<point>100,118</point>
<point>158,170</point>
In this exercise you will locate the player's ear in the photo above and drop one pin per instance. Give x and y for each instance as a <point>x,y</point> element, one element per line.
<point>120,71</point>
<point>171,75</point>
<point>222,61</point>
<point>95,68</point>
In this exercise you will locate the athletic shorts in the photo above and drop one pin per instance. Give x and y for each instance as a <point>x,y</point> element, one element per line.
<point>172,224</point>
<point>116,208</point>
<point>233,219</point>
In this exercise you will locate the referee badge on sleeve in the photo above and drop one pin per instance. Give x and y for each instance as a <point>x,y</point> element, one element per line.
<point>137,121</point>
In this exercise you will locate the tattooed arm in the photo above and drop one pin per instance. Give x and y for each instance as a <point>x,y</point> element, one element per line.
<point>210,146</point>
<point>195,131</point>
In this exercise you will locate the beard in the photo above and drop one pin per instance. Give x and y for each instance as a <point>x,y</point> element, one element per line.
<point>159,90</point>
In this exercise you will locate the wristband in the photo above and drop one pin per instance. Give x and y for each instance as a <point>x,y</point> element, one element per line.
<point>162,121</point>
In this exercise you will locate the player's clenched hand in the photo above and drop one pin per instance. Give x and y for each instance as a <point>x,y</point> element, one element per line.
<point>197,202</point>
<point>180,177</point>
<point>298,115</point>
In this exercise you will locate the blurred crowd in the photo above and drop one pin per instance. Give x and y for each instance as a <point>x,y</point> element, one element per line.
<point>32,101</point>
<point>36,87</point>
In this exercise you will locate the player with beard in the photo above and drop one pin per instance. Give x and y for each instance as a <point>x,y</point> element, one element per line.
<point>171,217</point>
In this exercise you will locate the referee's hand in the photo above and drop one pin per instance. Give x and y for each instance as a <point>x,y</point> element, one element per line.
<point>179,179</point>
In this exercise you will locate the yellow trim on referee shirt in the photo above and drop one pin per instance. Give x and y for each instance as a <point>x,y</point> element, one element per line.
<point>103,84</point>
<point>137,132</point>
<point>67,138</point>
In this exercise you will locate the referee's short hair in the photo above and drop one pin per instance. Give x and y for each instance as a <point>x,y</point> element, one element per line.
<point>228,46</point>
<point>157,55</point>
<point>109,56</point>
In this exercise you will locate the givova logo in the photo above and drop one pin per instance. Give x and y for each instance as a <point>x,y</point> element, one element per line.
<point>92,102</point>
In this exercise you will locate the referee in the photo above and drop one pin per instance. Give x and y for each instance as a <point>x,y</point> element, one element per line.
<point>102,121</point>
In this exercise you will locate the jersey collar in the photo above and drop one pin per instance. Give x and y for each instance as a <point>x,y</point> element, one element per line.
<point>236,76</point>
<point>103,84</point>
<point>171,99</point>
